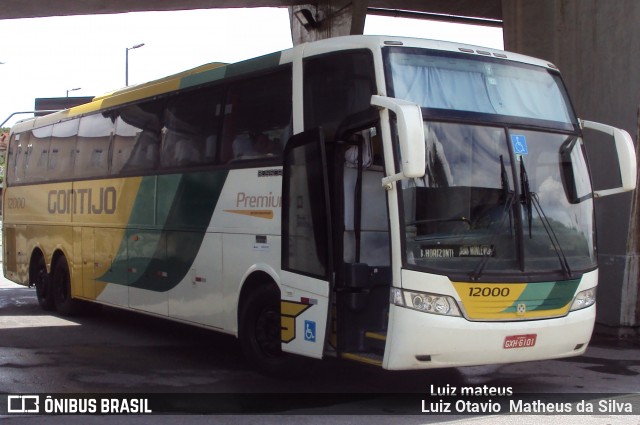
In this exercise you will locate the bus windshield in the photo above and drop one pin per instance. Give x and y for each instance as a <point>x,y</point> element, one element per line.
<point>480,209</point>
<point>496,198</point>
<point>478,85</point>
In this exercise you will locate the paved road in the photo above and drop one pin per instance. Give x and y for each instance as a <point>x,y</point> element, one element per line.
<point>118,352</point>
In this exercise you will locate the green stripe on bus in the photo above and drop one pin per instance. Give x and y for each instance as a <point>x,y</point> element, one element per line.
<point>245,67</point>
<point>158,257</point>
<point>561,294</point>
<point>203,77</point>
<point>263,62</point>
<point>541,296</point>
<point>143,211</point>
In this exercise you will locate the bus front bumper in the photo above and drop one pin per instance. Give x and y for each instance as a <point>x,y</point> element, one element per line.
<point>418,340</point>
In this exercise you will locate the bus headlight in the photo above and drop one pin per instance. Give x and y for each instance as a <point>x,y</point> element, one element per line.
<point>426,302</point>
<point>584,299</point>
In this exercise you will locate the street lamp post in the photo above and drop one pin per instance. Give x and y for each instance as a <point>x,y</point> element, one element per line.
<point>126,63</point>
<point>77,88</point>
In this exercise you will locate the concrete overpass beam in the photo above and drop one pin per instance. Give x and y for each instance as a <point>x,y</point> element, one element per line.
<point>327,18</point>
<point>596,45</point>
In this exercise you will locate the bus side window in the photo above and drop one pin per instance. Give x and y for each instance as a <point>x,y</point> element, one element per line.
<point>37,155</point>
<point>191,123</point>
<point>123,141</point>
<point>94,137</point>
<point>10,163</point>
<point>137,139</point>
<point>62,149</point>
<point>257,115</point>
<point>17,158</point>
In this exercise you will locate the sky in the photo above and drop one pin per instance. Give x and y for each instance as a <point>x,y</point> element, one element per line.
<point>45,57</point>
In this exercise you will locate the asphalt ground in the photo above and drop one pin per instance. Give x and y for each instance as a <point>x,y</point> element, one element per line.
<point>116,353</point>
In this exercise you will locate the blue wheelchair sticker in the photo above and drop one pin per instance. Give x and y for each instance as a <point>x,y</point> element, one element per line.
<point>309,331</point>
<point>519,143</point>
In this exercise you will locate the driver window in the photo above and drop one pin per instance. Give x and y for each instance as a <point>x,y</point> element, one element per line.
<point>336,86</point>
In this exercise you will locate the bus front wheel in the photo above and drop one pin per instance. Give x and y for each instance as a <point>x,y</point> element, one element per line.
<point>260,331</point>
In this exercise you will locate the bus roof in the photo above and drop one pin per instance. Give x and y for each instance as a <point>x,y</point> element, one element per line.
<point>376,41</point>
<point>216,71</point>
<point>190,78</point>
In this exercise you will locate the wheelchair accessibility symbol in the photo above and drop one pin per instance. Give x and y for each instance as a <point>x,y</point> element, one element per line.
<point>519,143</point>
<point>309,331</point>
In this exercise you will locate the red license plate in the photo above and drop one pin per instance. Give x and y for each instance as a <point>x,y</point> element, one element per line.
<point>519,341</point>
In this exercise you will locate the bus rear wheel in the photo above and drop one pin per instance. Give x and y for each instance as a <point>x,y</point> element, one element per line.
<point>42,281</point>
<point>61,285</point>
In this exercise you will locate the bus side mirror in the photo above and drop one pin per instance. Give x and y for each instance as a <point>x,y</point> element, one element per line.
<point>626,157</point>
<point>410,134</point>
<point>574,171</point>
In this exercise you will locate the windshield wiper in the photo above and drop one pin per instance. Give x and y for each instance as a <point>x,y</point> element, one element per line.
<point>530,199</point>
<point>508,196</point>
<point>525,192</point>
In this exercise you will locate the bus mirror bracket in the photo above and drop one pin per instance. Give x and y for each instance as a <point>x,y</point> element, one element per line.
<point>626,157</point>
<point>410,136</point>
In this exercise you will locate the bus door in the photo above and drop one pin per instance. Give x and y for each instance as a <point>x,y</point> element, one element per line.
<point>363,271</point>
<point>307,266</point>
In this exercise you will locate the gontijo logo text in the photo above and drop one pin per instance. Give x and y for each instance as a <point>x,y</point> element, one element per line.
<point>82,201</point>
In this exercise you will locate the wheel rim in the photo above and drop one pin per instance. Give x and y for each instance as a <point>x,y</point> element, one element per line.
<point>60,286</point>
<point>268,331</point>
<point>41,279</point>
<point>42,282</point>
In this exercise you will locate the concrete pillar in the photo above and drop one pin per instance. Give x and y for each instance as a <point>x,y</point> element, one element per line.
<point>333,18</point>
<point>596,45</point>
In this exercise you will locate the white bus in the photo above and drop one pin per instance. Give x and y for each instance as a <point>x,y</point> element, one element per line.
<point>400,202</point>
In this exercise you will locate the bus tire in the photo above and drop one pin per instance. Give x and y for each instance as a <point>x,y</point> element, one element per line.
<point>259,330</point>
<point>39,277</point>
<point>61,285</point>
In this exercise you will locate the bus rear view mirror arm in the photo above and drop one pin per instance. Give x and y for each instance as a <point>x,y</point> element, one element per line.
<point>410,136</point>
<point>626,157</point>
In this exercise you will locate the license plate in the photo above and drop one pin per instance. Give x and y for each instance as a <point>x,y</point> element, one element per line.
<point>519,341</point>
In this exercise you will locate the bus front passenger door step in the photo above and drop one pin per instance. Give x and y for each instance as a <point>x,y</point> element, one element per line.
<point>368,358</point>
